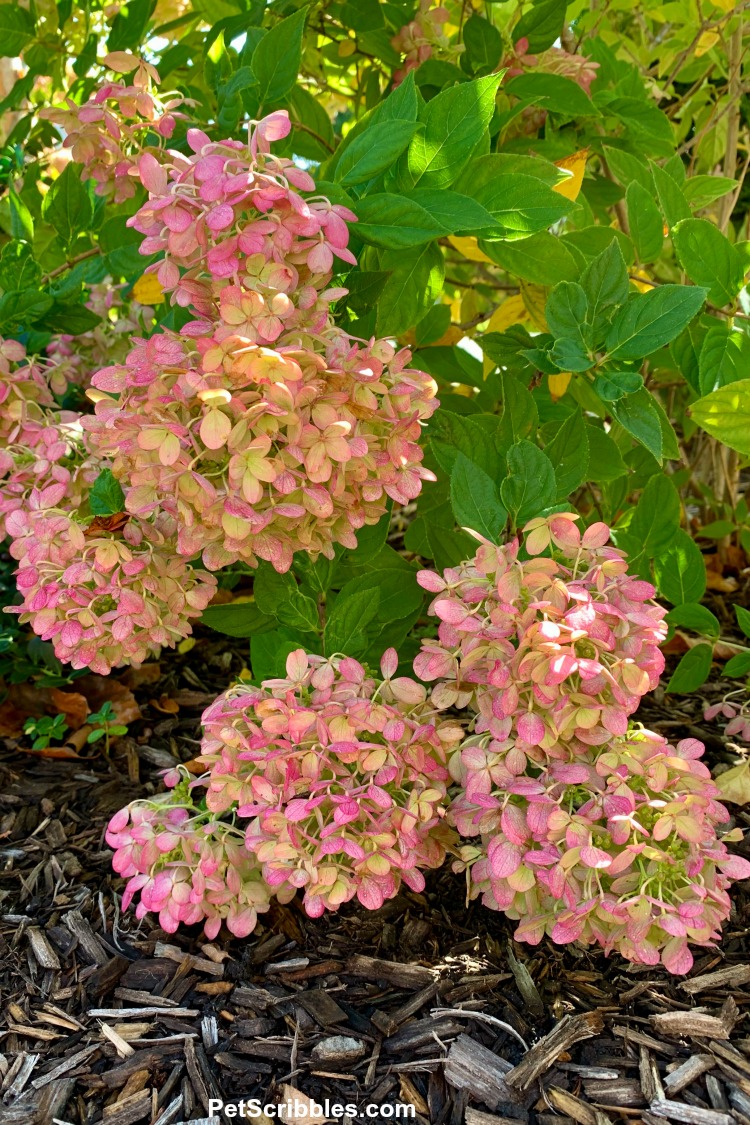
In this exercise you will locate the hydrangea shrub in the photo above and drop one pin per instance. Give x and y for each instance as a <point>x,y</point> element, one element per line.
<point>576,824</point>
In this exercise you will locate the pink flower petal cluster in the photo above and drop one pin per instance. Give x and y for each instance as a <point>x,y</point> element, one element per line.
<point>617,847</point>
<point>107,132</point>
<point>102,598</point>
<point>737,713</point>
<point>77,358</point>
<point>418,39</point>
<point>343,778</point>
<point>578,68</point>
<point>186,866</point>
<point>261,428</point>
<point>549,651</point>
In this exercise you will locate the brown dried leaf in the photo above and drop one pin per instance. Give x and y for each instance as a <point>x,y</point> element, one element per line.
<point>166,705</point>
<point>100,689</point>
<point>139,674</point>
<point>72,705</point>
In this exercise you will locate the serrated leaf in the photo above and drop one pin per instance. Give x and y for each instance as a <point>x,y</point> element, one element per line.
<point>725,414</point>
<point>650,320</point>
<point>709,259</point>
<point>530,488</point>
<point>475,500</point>
<point>345,628</point>
<point>679,570</point>
<point>106,497</point>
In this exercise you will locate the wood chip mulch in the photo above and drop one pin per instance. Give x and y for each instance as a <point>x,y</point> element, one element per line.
<point>428,1002</point>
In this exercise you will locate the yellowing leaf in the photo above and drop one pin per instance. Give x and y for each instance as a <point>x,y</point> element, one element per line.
<point>512,311</point>
<point>707,40</point>
<point>725,5</point>
<point>147,290</point>
<point>558,384</point>
<point>641,281</point>
<point>734,784</point>
<point>469,247</point>
<point>347,47</point>
<point>570,187</point>
<point>535,300</point>
<point>186,645</point>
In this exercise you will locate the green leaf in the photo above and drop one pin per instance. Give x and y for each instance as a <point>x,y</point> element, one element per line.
<point>743,619</point>
<point>604,455</point>
<point>19,308</point>
<point>475,500</point>
<point>268,653</point>
<point>614,385</point>
<point>395,222</point>
<point>67,205</point>
<point>352,613</point>
<point>720,359</point>
<point>739,665</point>
<point>238,619</point>
<point>650,320</point>
<point>72,319</point>
<point>453,433</point>
<point>657,515</point>
<point>552,92</point>
<point>399,593</point>
<point>605,283</point>
<point>520,416</point>
<point>679,570</point>
<point>415,283</point>
<point>709,259</point>
<point>673,203</point>
<point>129,25</point>
<point>374,150</point>
<point>21,222</point>
<point>521,205</point>
<point>276,60</point>
<point>646,224</point>
<point>106,497</point>
<point>566,313</point>
<point>725,414</point>
<point>695,617</point>
<point>483,43</point>
<point>693,670</point>
<point>568,452</point>
<point>530,488</point>
<point>278,595</point>
<point>459,214</point>
<point>541,258</point>
<point>645,122</point>
<point>541,24</point>
<point>638,415</point>
<point>717,529</point>
<point>700,191</point>
<point>454,123</point>
<point>434,325</point>
<point>16,29</point>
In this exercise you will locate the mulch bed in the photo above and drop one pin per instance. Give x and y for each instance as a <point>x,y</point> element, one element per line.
<point>428,1002</point>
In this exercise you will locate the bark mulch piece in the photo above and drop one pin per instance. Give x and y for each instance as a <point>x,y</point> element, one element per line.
<point>427,1002</point>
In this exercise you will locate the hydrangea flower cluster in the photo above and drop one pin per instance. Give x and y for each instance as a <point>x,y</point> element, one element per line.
<point>339,780</point>
<point>187,866</point>
<point>103,598</point>
<point>418,39</point>
<point>262,428</point>
<point>41,452</point>
<point>585,830</point>
<point>106,133</point>
<point>551,652</point>
<point>617,848</point>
